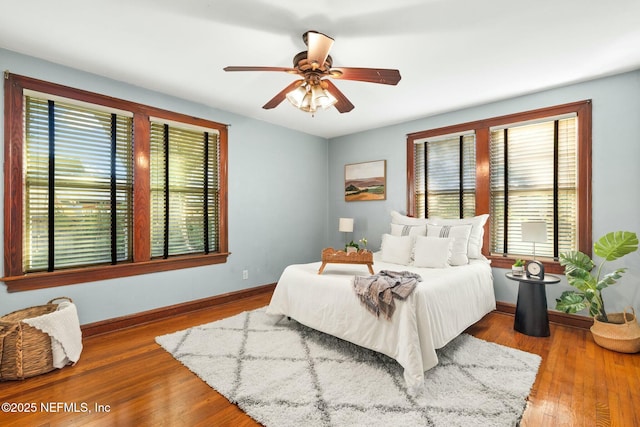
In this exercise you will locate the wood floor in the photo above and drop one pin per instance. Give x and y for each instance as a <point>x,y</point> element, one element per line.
<point>124,378</point>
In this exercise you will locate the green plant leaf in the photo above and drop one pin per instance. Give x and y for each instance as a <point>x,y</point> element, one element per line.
<point>574,260</point>
<point>610,279</point>
<point>581,279</point>
<point>571,302</point>
<point>616,244</point>
<point>595,309</point>
<point>590,294</point>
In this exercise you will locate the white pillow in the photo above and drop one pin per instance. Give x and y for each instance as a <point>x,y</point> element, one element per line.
<point>396,249</point>
<point>476,237</point>
<point>460,235</point>
<point>432,252</point>
<point>398,218</point>
<point>408,230</point>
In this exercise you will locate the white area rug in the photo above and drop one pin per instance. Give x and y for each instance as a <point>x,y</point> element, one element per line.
<point>291,375</point>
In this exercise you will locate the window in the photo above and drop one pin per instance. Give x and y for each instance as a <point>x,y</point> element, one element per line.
<point>78,186</point>
<point>184,190</point>
<point>97,187</point>
<point>445,177</point>
<point>528,166</point>
<point>534,178</point>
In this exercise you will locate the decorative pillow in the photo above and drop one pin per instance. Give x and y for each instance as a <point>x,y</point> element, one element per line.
<point>460,235</point>
<point>408,230</point>
<point>396,249</point>
<point>477,231</point>
<point>398,218</point>
<point>432,252</point>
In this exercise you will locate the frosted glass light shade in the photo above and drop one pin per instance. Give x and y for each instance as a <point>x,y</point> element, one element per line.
<point>345,225</point>
<point>296,96</point>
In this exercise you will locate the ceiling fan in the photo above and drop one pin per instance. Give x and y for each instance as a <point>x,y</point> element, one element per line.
<point>314,90</point>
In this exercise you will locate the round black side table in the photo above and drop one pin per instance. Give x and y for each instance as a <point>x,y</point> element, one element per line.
<point>531,309</point>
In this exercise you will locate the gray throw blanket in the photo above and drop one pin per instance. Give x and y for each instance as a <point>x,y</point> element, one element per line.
<point>378,292</point>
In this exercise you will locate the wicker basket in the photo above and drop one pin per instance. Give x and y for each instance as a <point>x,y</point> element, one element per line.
<point>621,333</point>
<point>24,350</point>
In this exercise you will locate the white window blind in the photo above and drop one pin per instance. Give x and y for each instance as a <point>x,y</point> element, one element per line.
<point>445,178</point>
<point>78,186</point>
<point>184,190</point>
<point>534,178</point>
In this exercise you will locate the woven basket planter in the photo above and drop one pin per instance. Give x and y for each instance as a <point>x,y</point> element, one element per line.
<point>24,350</point>
<point>621,333</point>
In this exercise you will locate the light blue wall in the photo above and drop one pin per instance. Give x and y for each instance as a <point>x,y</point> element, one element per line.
<point>272,203</point>
<point>616,172</point>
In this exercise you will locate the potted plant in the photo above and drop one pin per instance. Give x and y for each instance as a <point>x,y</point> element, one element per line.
<point>355,247</point>
<point>351,247</point>
<point>517,269</point>
<point>616,331</point>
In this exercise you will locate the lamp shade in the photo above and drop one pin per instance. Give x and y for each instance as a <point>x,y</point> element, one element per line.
<point>534,231</point>
<point>345,225</point>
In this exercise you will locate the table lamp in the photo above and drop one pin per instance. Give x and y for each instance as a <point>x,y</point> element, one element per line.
<point>345,226</point>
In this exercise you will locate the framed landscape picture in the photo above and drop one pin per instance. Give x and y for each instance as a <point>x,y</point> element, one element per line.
<point>365,181</point>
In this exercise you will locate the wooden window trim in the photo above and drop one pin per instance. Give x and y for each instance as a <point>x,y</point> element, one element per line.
<point>14,278</point>
<point>483,191</point>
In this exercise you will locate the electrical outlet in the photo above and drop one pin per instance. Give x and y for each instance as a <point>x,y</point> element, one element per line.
<point>245,274</point>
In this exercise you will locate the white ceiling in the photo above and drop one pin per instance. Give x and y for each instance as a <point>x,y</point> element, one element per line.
<point>451,53</point>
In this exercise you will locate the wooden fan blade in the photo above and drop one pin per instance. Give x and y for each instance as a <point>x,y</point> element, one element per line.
<point>384,76</point>
<point>319,47</point>
<point>285,69</point>
<point>343,105</point>
<point>276,100</point>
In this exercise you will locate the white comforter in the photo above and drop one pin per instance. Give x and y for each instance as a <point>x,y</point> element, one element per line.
<point>443,305</point>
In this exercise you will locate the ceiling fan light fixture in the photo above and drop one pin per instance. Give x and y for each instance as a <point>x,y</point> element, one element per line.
<point>311,96</point>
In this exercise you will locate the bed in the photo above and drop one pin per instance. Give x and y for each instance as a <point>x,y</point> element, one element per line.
<point>447,301</point>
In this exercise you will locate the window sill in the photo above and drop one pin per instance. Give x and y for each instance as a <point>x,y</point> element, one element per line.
<point>90,274</point>
<point>550,266</point>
